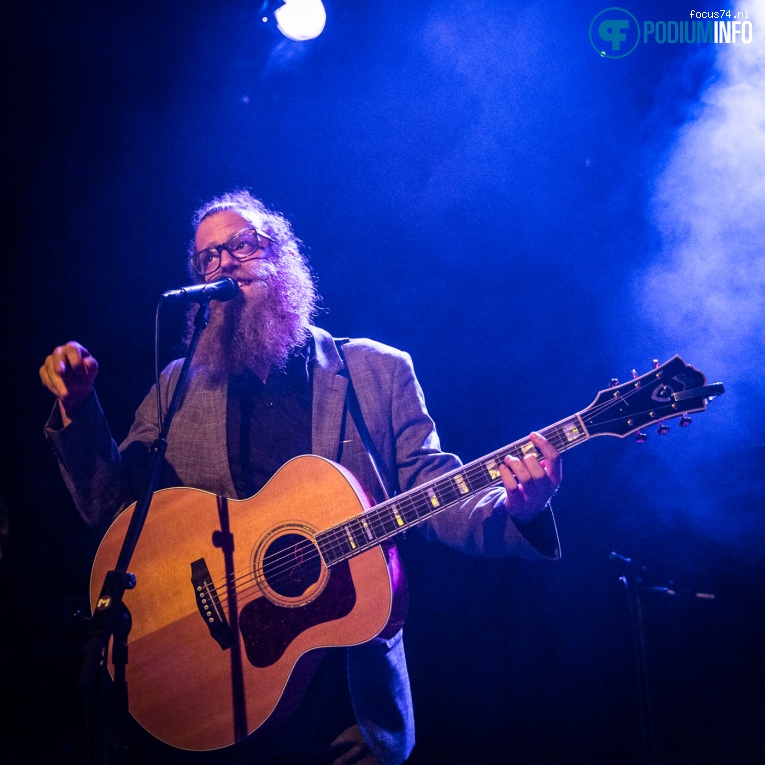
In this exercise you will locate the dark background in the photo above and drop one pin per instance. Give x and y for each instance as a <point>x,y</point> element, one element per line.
<point>476,185</point>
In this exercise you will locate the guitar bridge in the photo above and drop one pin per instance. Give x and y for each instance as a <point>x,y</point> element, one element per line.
<point>209,605</point>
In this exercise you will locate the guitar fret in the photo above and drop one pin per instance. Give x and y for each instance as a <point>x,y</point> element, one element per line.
<point>447,491</point>
<point>367,529</point>
<point>342,542</point>
<point>329,548</point>
<point>491,466</point>
<point>521,449</point>
<point>408,509</point>
<point>388,519</point>
<point>477,476</point>
<point>347,542</point>
<point>557,439</point>
<point>386,522</point>
<point>355,533</point>
<point>422,502</point>
<point>573,431</point>
<point>432,497</point>
<point>397,515</point>
<point>373,519</point>
<point>462,483</point>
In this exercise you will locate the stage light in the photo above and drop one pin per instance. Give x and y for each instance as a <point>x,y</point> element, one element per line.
<point>301,19</point>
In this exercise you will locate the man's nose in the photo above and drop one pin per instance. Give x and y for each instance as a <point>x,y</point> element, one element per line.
<point>227,261</point>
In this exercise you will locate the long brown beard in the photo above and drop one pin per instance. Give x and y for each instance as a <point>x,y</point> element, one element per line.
<point>258,334</point>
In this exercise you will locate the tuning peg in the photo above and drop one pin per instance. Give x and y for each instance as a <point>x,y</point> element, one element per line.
<point>614,382</point>
<point>655,363</point>
<point>641,437</point>
<point>635,375</point>
<point>663,429</point>
<point>684,421</point>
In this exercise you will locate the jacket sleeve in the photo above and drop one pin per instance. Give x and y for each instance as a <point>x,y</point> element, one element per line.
<point>411,451</point>
<point>90,462</point>
<point>102,477</point>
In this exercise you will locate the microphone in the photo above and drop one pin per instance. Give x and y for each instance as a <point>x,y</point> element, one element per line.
<point>221,290</point>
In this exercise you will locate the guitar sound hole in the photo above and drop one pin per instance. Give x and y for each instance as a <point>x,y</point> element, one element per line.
<point>291,565</point>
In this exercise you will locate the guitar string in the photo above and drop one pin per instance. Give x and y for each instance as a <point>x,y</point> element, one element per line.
<point>308,551</point>
<point>374,518</point>
<point>279,565</point>
<point>306,546</point>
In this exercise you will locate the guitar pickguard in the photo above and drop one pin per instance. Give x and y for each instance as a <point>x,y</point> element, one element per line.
<point>267,628</point>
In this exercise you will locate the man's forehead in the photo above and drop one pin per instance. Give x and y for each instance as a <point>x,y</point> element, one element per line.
<point>218,226</point>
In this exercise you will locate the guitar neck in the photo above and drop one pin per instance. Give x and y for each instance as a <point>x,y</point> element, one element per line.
<point>392,517</point>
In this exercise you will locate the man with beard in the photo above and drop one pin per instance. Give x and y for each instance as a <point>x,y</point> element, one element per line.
<point>266,386</point>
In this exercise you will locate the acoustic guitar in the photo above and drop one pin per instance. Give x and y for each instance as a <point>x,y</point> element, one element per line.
<point>235,599</point>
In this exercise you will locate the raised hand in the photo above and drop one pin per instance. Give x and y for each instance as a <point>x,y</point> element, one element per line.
<point>69,373</point>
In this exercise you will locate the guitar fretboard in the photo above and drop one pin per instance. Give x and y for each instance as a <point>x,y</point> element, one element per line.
<point>395,515</point>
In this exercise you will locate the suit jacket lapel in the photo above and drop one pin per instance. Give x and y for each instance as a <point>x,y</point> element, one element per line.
<point>329,387</point>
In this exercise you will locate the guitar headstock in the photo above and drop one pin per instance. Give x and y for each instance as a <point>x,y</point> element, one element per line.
<point>672,389</point>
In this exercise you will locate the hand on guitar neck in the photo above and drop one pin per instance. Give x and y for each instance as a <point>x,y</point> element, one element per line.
<point>529,482</point>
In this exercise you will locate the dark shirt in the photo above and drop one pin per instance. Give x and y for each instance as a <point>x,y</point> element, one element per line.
<point>268,424</point>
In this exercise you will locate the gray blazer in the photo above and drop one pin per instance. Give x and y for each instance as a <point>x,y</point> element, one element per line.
<point>104,478</point>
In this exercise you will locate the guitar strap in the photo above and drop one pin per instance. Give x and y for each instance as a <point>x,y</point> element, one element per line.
<point>352,403</point>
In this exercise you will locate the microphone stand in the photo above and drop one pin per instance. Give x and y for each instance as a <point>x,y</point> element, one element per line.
<point>633,578</point>
<point>111,618</point>
<point>634,589</point>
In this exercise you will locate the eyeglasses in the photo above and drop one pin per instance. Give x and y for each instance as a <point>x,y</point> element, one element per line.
<point>243,245</point>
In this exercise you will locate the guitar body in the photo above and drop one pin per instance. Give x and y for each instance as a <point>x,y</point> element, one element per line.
<point>235,599</point>
<point>213,660</point>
